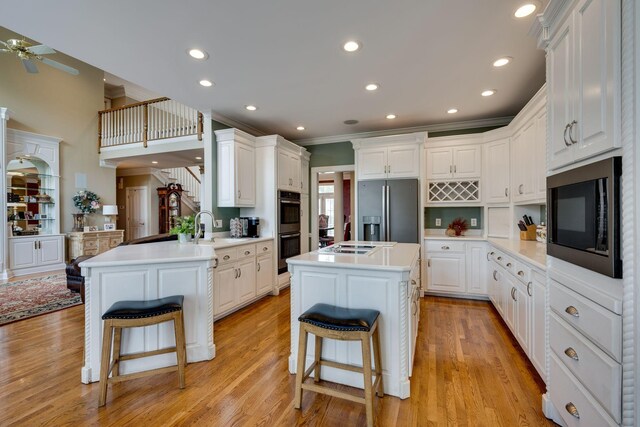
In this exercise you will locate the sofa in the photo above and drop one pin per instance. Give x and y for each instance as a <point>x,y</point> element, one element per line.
<point>75,280</point>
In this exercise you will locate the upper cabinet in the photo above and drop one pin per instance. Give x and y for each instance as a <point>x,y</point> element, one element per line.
<point>454,162</point>
<point>583,72</point>
<point>388,157</point>
<point>497,171</point>
<point>236,168</point>
<point>289,165</point>
<point>304,171</point>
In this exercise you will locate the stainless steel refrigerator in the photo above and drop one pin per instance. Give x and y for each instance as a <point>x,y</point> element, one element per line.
<point>388,210</point>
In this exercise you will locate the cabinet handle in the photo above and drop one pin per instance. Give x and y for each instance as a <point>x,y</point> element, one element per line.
<point>520,273</point>
<point>509,265</point>
<point>35,245</point>
<point>455,168</point>
<point>239,272</point>
<point>264,248</point>
<point>235,270</point>
<point>490,254</point>
<point>415,308</point>
<point>513,294</point>
<point>506,192</point>
<point>428,263</point>
<point>239,194</point>
<point>572,311</point>
<point>520,191</point>
<point>413,282</point>
<point>564,135</point>
<point>445,248</point>
<point>450,168</point>
<point>529,289</point>
<point>389,167</point>
<point>571,409</point>
<point>258,266</point>
<point>226,257</point>
<point>247,252</point>
<point>494,275</point>
<point>571,125</point>
<point>499,258</point>
<point>570,352</point>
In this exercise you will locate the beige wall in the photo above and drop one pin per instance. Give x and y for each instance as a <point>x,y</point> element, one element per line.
<point>122,101</point>
<point>58,104</point>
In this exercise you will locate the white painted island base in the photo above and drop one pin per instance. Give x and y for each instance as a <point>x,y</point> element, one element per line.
<point>145,272</point>
<point>380,281</point>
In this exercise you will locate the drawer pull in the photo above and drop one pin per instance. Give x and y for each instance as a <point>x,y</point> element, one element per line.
<point>258,266</point>
<point>226,257</point>
<point>413,282</point>
<point>444,248</point>
<point>513,294</point>
<point>247,252</point>
<point>264,248</point>
<point>490,254</point>
<point>571,408</point>
<point>520,273</point>
<point>499,258</point>
<point>572,311</point>
<point>570,352</point>
<point>529,289</point>
<point>509,264</point>
<point>494,275</point>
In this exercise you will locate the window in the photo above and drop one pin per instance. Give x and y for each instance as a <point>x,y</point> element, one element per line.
<point>326,204</point>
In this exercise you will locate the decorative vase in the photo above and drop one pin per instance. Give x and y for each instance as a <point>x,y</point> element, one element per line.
<point>78,221</point>
<point>184,238</point>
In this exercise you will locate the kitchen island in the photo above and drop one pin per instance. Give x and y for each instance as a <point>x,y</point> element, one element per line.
<point>384,276</point>
<point>144,272</point>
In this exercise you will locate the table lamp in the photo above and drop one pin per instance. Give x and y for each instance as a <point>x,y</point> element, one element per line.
<point>109,211</point>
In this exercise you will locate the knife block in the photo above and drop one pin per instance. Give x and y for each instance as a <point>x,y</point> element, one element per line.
<point>530,234</point>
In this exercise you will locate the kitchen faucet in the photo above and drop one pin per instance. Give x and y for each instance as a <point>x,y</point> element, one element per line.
<point>196,220</point>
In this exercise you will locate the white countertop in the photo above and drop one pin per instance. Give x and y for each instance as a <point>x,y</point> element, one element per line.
<point>530,250</point>
<point>444,237</point>
<point>397,257</point>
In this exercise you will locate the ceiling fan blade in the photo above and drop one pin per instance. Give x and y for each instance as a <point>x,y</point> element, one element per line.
<point>40,49</point>
<point>29,66</point>
<point>60,66</point>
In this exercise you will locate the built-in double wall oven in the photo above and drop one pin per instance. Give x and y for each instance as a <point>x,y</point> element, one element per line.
<point>288,227</point>
<point>584,216</point>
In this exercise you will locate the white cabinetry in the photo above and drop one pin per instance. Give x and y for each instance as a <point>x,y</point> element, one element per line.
<point>396,161</point>
<point>289,171</point>
<point>583,71</point>
<point>34,252</point>
<point>446,272</point>
<point>476,266</point>
<point>236,168</point>
<point>304,224</point>
<point>304,171</point>
<point>497,171</point>
<point>454,162</point>
<point>264,274</point>
<point>456,267</point>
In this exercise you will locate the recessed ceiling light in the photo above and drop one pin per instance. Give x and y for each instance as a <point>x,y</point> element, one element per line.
<point>525,10</point>
<point>300,128</point>
<point>452,110</point>
<point>351,46</point>
<point>371,86</point>
<point>488,92</point>
<point>198,158</point>
<point>391,116</point>
<point>198,54</point>
<point>350,122</point>
<point>206,83</point>
<point>154,162</point>
<point>501,62</point>
<point>104,80</point>
<point>251,107</point>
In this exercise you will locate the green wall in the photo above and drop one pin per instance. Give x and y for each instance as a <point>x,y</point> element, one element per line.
<point>338,153</point>
<point>225,214</point>
<point>448,214</point>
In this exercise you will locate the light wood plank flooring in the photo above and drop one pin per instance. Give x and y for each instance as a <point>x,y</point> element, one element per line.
<point>468,371</point>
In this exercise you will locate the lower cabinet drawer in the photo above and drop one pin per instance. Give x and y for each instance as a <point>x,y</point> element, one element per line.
<point>226,255</point>
<point>90,244</point>
<point>114,241</point>
<point>599,373</point>
<point>569,395</point>
<point>445,246</point>
<point>264,247</point>
<point>90,252</point>
<point>246,251</point>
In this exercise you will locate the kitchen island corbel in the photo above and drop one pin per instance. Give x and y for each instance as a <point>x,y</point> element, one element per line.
<point>386,278</point>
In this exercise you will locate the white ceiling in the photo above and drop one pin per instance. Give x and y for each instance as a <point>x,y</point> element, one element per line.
<point>285,56</point>
<point>168,160</point>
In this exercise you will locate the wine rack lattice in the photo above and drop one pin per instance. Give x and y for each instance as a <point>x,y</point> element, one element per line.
<point>454,191</point>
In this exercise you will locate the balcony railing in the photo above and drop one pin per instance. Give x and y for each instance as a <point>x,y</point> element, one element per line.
<point>147,121</point>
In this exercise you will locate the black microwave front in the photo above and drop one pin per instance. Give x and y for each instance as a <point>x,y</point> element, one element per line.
<point>583,224</point>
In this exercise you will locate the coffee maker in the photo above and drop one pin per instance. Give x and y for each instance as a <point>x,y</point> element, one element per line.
<point>250,226</point>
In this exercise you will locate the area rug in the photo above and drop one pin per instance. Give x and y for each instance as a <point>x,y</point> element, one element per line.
<point>32,297</point>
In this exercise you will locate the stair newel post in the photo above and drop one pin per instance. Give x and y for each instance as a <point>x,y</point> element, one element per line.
<point>99,131</point>
<point>200,125</point>
<point>145,126</point>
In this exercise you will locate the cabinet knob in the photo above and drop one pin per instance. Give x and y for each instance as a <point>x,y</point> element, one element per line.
<point>226,257</point>
<point>499,258</point>
<point>509,264</point>
<point>520,273</point>
<point>572,311</point>
<point>264,248</point>
<point>570,352</point>
<point>571,409</point>
<point>445,248</point>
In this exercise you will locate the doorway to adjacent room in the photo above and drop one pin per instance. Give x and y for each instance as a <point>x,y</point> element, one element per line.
<point>332,202</point>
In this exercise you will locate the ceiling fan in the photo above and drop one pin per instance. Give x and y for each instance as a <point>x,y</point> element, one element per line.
<point>27,53</point>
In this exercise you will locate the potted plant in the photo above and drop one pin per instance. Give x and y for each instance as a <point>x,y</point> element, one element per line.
<point>185,228</point>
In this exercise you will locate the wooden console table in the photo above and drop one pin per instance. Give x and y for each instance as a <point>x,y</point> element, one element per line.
<point>92,242</point>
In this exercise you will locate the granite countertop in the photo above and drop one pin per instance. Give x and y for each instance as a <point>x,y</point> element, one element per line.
<point>388,256</point>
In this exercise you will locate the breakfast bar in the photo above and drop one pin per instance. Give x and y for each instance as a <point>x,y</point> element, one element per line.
<point>384,276</point>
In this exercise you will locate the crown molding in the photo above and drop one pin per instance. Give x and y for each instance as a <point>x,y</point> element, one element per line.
<point>237,124</point>
<point>442,127</point>
<point>5,113</point>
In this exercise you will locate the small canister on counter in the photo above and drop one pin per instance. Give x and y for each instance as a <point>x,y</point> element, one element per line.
<point>541,233</point>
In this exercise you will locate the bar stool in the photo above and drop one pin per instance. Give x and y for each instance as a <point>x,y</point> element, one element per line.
<point>132,314</point>
<point>346,324</point>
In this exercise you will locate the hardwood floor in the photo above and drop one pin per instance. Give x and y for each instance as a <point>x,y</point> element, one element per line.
<point>468,371</point>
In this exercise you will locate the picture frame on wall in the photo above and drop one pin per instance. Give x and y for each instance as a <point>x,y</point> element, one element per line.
<point>109,226</point>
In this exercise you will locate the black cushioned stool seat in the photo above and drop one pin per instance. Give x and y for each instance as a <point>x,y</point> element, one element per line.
<point>142,309</point>
<point>133,314</point>
<point>347,324</point>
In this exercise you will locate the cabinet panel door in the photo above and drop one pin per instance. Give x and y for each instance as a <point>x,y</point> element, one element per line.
<point>509,307</point>
<point>538,353</point>
<point>540,151</point>
<point>521,316</point>
<point>245,175</point>
<point>51,250</point>
<point>224,283</point>
<point>246,282</point>
<point>294,170</point>
<point>476,266</point>
<point>439,163</point>
<point>284,176</point>
<point>304,170</point>
<point>22,253</point>
<point>446,272</point>
<point>559,90</point>
<point>597,56</point>
<point>372,163</point>
<point>466,161</point>
<point>497,171</point>
<point>226,173</point>
<point>264,274</point>
<point>403,161</point>
<point>524,159</point>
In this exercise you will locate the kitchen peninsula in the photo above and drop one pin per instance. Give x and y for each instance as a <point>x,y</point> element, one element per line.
<point>384,276</point>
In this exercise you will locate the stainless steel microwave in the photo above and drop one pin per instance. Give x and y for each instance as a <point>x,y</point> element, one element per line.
<point>583,220</point>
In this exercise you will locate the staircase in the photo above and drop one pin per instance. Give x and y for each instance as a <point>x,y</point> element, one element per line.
<point>189,179</point>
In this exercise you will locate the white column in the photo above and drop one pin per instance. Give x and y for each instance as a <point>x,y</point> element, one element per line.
<point>338,209</point>
<point>4,230</point>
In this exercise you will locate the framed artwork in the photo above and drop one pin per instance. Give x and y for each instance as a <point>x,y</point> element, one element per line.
<point>109,226</point>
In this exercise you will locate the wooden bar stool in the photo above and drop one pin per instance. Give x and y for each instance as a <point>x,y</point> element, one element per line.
<point>132,314</point>
<point>346,324</point>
